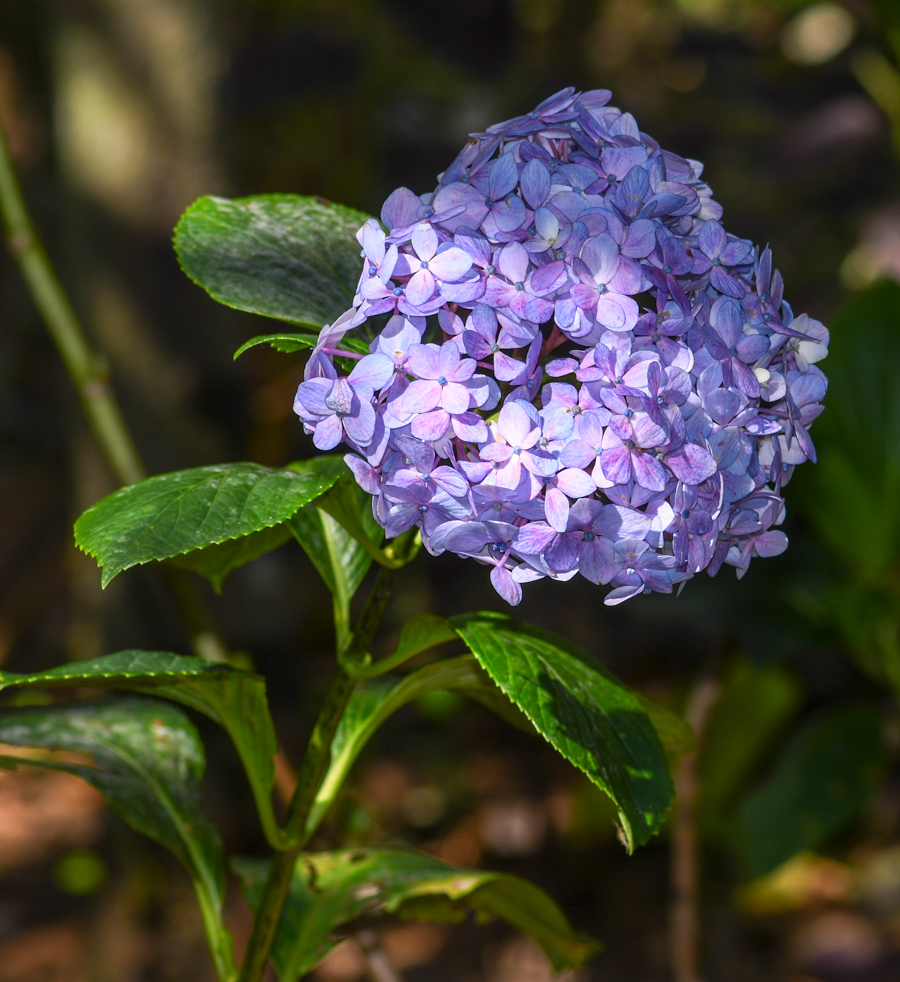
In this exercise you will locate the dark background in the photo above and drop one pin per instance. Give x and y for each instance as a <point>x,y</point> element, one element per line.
<point>122,112</point>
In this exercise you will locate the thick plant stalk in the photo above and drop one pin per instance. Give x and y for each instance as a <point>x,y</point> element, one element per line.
<point>90,377</point>
<point>314,769</point>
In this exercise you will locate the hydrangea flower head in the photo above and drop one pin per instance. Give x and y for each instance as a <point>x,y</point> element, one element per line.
<point>575,370</point>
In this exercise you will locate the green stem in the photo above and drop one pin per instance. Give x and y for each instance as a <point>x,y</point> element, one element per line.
<point>87,371</point>
<point>315,767</point>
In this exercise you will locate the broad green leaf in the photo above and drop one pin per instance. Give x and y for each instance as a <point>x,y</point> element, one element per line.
<point>332,889</point>
<point>281,255</point>
<point>217,561</point>
<point>289,343</point>
<point>375,700</point>
<point>146,758</point>
<point>176,513</point>
<point>825,775</point>
<point>234,699</point>
<point>754,707</point>
<point>588,715</point>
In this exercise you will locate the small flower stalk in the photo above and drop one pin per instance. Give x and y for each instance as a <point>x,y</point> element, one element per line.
<point>574,369</point>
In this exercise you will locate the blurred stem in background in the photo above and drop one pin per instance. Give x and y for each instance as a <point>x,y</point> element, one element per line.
<point>90,377</point>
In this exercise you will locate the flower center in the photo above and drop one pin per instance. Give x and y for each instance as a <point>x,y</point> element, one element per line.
<point>589,536</point>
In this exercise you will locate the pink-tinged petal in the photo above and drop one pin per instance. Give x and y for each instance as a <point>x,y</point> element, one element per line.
<point>425,241</point>
<point>373,241</point>
<point>616,313</point>
<point>537,310</point>
<point>431,426</point>
<point>361,426</point>
<point>534,538</point>
<point>420,288</point>
<point>618,161</point>
<point>424,361</point>
<point>548,278</point>
<point>365,474</point>
<point>562,556</point>
<point>401,208</point>
<point>601,255</point>
<point>628,278</point>
<point>506,586</point>
<point>647,433</point>
<point>496,451</point>
<point>691,464</point>
<point>450,263</point>
<point>454,397</point>
<point>598,561</point>
<point>712,239</point>
<point>616,465</point>
<point>452,195</point>
<point>375,370</point>
<point>515,424</point>
<point>577,453</point>
<point>771,543</point>
<point>556,507</point>
<point>513,262</point>
<point>541,463</point>
<point>329,433</point>
<point>622,593</point>
<point>470,428</point>
<point>648,472</point>
<point>506,368</point>
<point>586,298</point>
<point>497,293</point>
<point>575,482</point>
<point>447,479</point>
<point>465,291</point>
<point>510,213</point>
<point>422,396</point>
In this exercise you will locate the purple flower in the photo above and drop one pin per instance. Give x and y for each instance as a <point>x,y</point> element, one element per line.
<point>663,449</point>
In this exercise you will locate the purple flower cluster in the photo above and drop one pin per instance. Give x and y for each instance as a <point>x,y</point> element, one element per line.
<point>576,369</point>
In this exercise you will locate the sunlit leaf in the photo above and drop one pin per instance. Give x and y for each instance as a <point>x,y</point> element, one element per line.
<point>588,715</point>
<point>176,513</point>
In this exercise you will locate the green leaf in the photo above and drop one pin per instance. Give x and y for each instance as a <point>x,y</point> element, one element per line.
<point>286,343</point>
<point>146,758</point>
<point>289,343</point>
<point>826,774</point>
<point>280,255</point>
<point>217,561</point>
<point>330,890</point>
<point>419,633</point>
<point>588,715</point>
<point>375,700</point>
<point>234,699</point>
<point>176,513</point>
